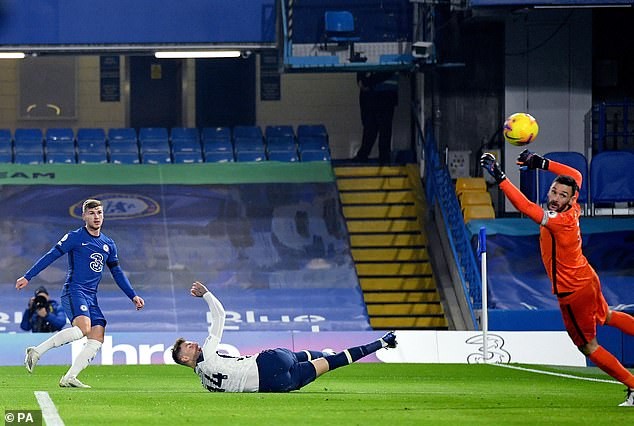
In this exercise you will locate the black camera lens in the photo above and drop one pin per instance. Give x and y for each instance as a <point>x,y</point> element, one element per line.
<point>40,302</point>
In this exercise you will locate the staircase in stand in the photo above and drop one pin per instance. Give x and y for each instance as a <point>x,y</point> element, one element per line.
<point>383,207</point>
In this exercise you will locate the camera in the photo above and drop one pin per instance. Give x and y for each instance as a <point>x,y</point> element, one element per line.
<point>40,302</point>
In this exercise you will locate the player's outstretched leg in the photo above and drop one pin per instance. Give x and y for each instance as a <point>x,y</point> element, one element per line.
<point>307,355</point>
<point>33,353</point>
<point>622,321</point>
<point>350,355</point>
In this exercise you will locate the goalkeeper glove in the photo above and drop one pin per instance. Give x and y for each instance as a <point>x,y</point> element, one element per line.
<point>531,161</point>
<point>488,163</point>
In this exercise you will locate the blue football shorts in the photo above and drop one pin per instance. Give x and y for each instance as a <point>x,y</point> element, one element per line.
<point>280,371</point>
<point>76,303</point>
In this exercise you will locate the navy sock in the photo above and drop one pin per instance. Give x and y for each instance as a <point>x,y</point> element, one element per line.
<point>308,355</point>
<point>351,355</point>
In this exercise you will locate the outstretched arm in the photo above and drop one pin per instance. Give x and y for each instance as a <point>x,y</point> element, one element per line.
<point>515,196</point>
<point>217,312</point>
<point>530,160</point>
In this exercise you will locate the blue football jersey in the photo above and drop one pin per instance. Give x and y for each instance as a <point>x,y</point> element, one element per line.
<point>87,256</point>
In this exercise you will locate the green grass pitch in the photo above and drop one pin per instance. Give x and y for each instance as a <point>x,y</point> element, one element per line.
<point>360,394</point>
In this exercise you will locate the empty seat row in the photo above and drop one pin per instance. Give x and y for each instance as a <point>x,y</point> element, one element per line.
<point>156,145</point>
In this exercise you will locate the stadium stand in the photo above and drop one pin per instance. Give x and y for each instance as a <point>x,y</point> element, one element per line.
<point>6,146</point>
<point>612,181</point>
<point>91,140</point>
<point>28,141</point>
<point>219,156</point>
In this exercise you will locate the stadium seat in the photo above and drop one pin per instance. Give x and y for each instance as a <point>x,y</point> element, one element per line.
<point>185,139</point>
<point>28,157</point>
<point>254,156</point>
<point>91,140</point>
<point>612,178</point>
<point>250,132</point>
<point>215,133</point>
<point>217,145</point>
<point>219,157</point>
<point>123,140</point>
<point>153,133</point>
<point>248,144</point>
<point>280,143</point>
<point>187,157</point>
<point>315,155</point>
<point>92,157</point>
<point>312,143</point>
<point>60,157</point>
<point>276,131</point>
<point>572,159</point>
<point>470,184</point>
<point>153,140</point>
<point>156,158</point>
<point>478,212</point>
<point>6,146</point>
<point>312,130</point>
<point>475,198</point>
<point>339,29</point>
<point>285,156</point>
<point>28,141</point>
<point>124,157</point>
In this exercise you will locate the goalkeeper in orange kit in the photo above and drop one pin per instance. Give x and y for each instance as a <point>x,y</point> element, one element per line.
<point>574,281</point>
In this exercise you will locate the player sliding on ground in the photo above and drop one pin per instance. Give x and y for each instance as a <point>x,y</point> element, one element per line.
<point>574,281</point>
<point>272,370</point>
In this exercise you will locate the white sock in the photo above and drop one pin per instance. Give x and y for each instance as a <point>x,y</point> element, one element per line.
<point>60,338</point>
<point>84,357</point>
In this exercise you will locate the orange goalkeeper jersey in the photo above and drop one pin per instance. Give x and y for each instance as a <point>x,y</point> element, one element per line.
<point>559,236</point>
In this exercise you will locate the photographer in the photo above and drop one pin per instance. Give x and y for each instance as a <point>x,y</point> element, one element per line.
<point>43,315</point>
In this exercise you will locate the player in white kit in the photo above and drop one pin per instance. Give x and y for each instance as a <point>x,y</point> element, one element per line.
<point>272,370</point>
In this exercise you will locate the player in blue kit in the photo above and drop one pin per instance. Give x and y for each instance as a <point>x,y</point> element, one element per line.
<point>89,250</point>
<point>272,370</point>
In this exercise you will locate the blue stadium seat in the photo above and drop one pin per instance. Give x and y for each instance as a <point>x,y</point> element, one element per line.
<point>124,157</point>
<point>55,134</point>
<point>214,133</point>
<point>28,157</point>
<point>153,140</point>
<point>217,145</point>
<point>187,157</point>
<point>575,160</point>
<point>281,143</point>
<point>186,133</point>
<point>282,130</point>
<point>312,130</point>
<point>244,156</point>
<point>315,155</point>
<point>92,157</point>
<point>153,133</point>
<point>612,177</point>
<point>60,157</point>
<point>91,140</point>
<point>251,132</point>
<point>285,156</point>
<point>248,144</point>
<point>156,158</point>
<point>6,146</point>
<point>123,140</point>
<point>219,157</point>
<point>28,140</point>
<point>312,143</point>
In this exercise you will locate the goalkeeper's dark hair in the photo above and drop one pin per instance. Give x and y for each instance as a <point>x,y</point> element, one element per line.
<point>176,351</point>
<point>568,181</point>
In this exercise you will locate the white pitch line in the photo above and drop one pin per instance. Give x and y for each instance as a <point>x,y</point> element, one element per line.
<point>550,373</point>
<point>50,416</point>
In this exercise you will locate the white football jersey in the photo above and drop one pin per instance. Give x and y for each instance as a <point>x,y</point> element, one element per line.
<point>222,373</point>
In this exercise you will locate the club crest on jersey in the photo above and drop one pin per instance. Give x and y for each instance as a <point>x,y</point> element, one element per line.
<point>552,213</point>
<point>106,248</point>
<point>83,308</point>
<point>121,206</point>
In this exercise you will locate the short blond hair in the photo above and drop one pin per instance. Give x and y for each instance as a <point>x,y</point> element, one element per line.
<point>90,204</point>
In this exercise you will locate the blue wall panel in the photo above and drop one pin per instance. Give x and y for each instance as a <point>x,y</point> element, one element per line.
<point>52,22</point>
